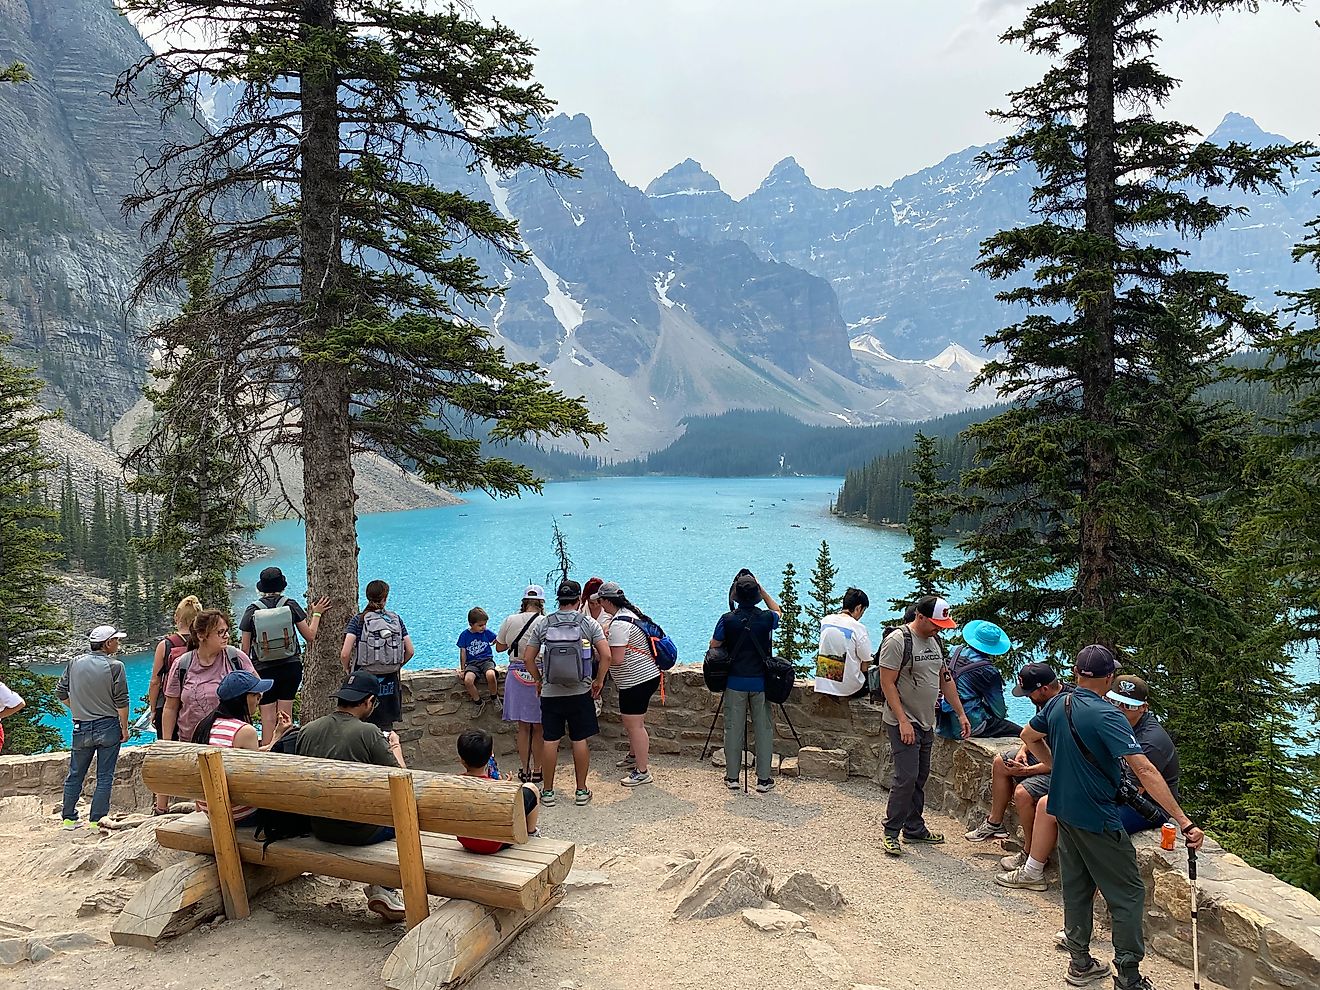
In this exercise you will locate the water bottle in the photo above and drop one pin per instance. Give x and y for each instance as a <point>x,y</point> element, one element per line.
<point>586,658</point>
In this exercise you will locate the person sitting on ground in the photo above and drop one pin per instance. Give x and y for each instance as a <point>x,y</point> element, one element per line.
<point>476,658</point>
<point>94,687</point>
<point>979,683</point>
<point>475,748</point>
<point>521,705</point>
<point>230,725</point>
<point>377,641</point>
<point>635,673</point>
<point>11,703</point>
<point>1129,696</point>
<point>843,655</point>
<point>745,633</point>
<point>567,685</point>
<point>345,734</point>
<point>1016,775</point>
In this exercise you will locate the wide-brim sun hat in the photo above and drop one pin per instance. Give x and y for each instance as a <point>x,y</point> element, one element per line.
<point>986,637</point>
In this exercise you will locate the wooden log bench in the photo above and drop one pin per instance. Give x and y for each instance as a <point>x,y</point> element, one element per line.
<point>491,897</point>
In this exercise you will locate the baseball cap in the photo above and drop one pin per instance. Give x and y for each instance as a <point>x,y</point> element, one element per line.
<point>1096,661</point>
<point>1129,690</point>
<point>608,589</point>
<point>272,579</point>
<point>937,610</point>
<point>568,591</point>
<point>534,591</point>
<point>237,683</point>
<point>1033,677</point>
<point>101,633</point>
<point>359,686</point>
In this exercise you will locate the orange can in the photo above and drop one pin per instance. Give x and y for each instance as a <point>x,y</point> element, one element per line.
<point>1168,835</point>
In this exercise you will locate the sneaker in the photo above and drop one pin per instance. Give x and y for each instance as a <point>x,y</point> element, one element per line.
<point>385,902</point>
<point>636,778</point>
<point>477,708</point>
<point>1093,971</point>
<point>627,763</point>
<point>889,844</point>
<point>69,824</point>
<point>930,838</point>
<point>765,786</point>
<point>94,827</point>
<point>582,796</point>
<point>1018,880</point>
<point>1013,861</point>
<point>986,831</point>
<point>1142,983</point>
<point>534,833</point>
<point>548,798</point>
<point>730,784</point>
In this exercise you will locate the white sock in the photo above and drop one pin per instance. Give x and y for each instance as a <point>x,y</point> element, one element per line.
<point>1034,869</point>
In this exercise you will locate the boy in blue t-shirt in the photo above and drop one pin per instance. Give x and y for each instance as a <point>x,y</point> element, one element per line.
<point>476,658</point>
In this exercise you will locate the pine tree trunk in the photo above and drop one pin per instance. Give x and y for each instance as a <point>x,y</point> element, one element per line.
<point>1095,572</point>
<point>326,427</point>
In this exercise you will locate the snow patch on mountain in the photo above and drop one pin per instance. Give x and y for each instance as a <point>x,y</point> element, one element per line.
<point>955,357</point>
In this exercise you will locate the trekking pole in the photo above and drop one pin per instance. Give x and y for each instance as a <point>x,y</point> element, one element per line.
<point>1196,962</point>
<point>706,747</point>
<point>790,726</point>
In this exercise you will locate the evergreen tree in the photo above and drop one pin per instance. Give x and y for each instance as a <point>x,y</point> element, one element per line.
<point>823,600</point>
<point>932,509</point>
<point>98,534</point>
<point>563,568</point>
<point>14,72</point>
<point>794,640</point>
<point>1085,533</point>
<point>340,309</point>
<point>29,625</point>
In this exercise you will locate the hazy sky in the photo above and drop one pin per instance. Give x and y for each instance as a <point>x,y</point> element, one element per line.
<point>861,92</point>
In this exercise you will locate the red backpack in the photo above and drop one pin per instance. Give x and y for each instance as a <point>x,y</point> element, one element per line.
<point>175,647</point>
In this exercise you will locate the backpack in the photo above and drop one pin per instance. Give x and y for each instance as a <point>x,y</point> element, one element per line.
<point>272,826</point>
<point>175,647</point>
<point>565,665</point>
<point>779,673</point>
<point>274,633</point>
<point>184,662</point>
<point>663,650</point>
<point>873,673</point>
<point>380,643</point>
<point>973,705</point>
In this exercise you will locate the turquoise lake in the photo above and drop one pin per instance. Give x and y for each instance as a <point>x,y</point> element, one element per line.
<point>674,544</point>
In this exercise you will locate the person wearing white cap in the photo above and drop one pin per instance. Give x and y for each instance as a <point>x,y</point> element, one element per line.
<point>521,704</point>
<point>94,687</point>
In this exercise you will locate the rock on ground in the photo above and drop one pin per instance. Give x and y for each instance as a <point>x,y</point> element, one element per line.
<point>828,962</point>
<point>801,891</point>
<point>764,920</point>
<point>679,875</point>
<point>728,879</point>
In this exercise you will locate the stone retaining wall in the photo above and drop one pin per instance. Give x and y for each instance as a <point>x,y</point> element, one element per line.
<point>43,776</point>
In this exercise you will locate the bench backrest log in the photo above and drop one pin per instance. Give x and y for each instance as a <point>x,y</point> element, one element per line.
<point>356,792</point>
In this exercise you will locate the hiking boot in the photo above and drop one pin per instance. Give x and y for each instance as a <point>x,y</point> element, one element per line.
<point>627,763</point>
<point>889,845</point>
<point>1013,861</point>
<point>930,838</point>
<point>1093,970</point>
<point>730,784</point>
<point>765,786</point>
<point>548,798</point>
<point>385,902</point>
<point>583,796</point>
<point>636,778</point>
<point>1019,880</point>
<point>986,831</point>
<point>69,824</point>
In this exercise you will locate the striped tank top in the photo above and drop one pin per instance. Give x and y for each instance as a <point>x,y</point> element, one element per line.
<point>222,735</point>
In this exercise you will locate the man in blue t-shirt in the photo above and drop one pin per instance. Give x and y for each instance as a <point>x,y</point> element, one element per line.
<point>1085,740</point>
<point>745,633</point>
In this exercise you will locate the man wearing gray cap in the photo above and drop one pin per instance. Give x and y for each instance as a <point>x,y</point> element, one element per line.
<point>94,687</point>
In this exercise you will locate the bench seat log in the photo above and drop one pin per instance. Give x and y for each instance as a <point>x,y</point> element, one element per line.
<point>451,946</point>
<point>357,792</point>
<point>182,896</point>
<point>522,881</point>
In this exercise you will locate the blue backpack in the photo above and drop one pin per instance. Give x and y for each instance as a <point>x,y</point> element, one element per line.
<point>663,650</point>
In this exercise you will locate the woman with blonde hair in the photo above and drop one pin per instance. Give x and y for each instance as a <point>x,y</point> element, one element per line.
<point>169,649</point>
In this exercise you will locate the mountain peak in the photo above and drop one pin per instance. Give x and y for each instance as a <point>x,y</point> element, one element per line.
<point>685,178</point>
<point>955,357</point>
<point>564,130</point>
<point>1244,130</point>
<point>786,173</point>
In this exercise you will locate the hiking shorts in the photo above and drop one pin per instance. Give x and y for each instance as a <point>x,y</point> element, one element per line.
<point>576,713</point>
<point>287,677</point>
<point>635,700</point>
<point>389,703</point>
<point>479,667</point>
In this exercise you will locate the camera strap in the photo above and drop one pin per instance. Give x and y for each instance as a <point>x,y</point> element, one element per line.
<point>1067,711</point>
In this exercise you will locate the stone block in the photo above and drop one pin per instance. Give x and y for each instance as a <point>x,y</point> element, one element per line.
<point>789,767</point>
<point>13,951</point>
<point>1243,926</point>
<point>678,875</point>
<point>828,962</point>
<point>1223,963</point>
<point>822,764</point>
<point>1173,895</point>
<point>1284,950</point>
<point>1171,947</point>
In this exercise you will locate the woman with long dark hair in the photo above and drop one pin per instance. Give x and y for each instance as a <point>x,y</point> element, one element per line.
<point>377,641</point>
<point>230,725</point>
<point>635,674</point>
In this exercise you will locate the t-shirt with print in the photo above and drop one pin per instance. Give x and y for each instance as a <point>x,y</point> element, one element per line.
<point>1083,795</point>
<point>479,646</point>
<point>918,681</point>
<point>589,629</point>
<point>638,666</point>
<point>197,693</point>
<point>844,646</point>
<point>246,624</point>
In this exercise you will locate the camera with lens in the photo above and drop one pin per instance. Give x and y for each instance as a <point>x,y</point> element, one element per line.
<point>1135,798</point>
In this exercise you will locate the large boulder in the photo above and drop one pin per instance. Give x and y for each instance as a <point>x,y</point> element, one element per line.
<point>727,880</point>
<point>800,891</point>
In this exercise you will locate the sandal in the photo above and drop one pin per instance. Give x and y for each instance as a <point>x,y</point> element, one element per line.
<point>536,776</point>
<point>523,776</point>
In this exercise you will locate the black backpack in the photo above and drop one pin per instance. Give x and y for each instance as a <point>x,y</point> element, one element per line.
<point>272,826</point>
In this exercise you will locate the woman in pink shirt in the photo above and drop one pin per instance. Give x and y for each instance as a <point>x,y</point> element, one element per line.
<point>190,692</point>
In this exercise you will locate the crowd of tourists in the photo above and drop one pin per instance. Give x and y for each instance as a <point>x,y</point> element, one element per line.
<point>1092,766</point>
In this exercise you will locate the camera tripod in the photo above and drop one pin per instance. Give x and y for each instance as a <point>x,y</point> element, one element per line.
<point>719,708</point>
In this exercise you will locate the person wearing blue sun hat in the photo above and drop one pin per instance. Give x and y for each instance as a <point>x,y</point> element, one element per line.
<point>980,684</point>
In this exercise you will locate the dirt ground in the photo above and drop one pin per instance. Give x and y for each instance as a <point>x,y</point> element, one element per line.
<point>933,920</point>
